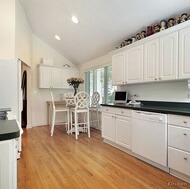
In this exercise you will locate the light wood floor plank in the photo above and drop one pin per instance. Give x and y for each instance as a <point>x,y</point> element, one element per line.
<point>62,162</point>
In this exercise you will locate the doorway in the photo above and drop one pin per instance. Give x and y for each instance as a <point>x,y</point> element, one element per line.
<point>24,94</point>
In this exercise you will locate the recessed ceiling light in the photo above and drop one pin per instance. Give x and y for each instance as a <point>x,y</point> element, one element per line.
<point>75,19</point>
<point>57,37</point>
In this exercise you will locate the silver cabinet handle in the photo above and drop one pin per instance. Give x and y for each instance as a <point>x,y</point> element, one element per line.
<point>185,122</point>
<point>122,112</point>
<point>155,79</point>
<point>185,134</point>
<point>185,158</point>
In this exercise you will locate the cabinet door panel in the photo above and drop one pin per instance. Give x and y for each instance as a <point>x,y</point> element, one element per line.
<point>118,62</point>
<point>184,55</point>
<point>168,56</point>
<point>123,131</point>
<point>151,60</point>
<point>65,75</point>
<point>45,77</point>
<point>108,126</point>
<point>133,64</point>
<point>179,160</point>
<point>179,137</point>
<point>56,77</point>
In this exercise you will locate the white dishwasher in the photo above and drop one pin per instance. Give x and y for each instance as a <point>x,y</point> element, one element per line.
<point>149,136</point>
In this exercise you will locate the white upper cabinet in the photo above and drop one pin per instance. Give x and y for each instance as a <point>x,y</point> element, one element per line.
<point>134,64</point>
<point>118,64</point>
<point>168,57</point>
<point>151,60</point>
<point>44,77</point>
<point>55,77</point>
<point>184,55</point>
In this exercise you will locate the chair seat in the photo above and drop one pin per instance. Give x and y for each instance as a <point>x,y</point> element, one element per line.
<point>79,111</point>
<point>56,110</point>
<point>61,109</point>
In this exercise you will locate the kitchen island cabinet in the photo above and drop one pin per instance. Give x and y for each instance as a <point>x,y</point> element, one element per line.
<point>9,132</point>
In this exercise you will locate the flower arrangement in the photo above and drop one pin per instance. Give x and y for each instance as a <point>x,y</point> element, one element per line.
<point>74,82</point>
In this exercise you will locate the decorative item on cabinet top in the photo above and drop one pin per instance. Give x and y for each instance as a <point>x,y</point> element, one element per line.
<point>155,29</point>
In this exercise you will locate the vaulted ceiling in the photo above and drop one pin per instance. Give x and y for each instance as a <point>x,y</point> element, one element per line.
<point>103,24</point>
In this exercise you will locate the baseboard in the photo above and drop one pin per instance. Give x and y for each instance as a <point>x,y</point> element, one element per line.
<point>181,176</point>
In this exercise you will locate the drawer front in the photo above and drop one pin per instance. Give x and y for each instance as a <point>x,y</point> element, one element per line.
<point>108,109</point>
<point>179,120</point>
<point>179,137</point>
<point>124,112</point>
<point>179,160</point>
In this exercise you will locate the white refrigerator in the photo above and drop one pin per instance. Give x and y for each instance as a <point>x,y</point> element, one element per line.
<point>10,91</point>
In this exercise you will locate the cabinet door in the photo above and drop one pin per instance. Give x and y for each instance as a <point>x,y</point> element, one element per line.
<point>184,55</point>
<point>56,77</point>
<point>151,60</point>
<point>65,75</point>
<point>118,62</point>
<point>8,164</point>
<point>123,131</point>
<point>134,65</point>
<point>168,57</point>
<point>44,77</point>
<point>108,126</point>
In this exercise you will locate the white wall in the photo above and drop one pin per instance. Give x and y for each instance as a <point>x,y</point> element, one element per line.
<point>7,31</point>
<point>23,36</point>
<point>41,96</point>
<point>175,91</point>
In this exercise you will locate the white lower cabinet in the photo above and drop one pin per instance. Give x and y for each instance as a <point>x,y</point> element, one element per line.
<point>116,126</point>
<point>123,131</point>
<point>108,126</point>
<point>8,164</point>
<point>179,160</point>
<point>178,145</point>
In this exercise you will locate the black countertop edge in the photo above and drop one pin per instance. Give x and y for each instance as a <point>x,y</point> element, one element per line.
<point>9,130</point>
<point>158,107</point>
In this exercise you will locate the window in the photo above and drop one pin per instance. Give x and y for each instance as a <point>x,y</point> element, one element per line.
<point>100,80</point>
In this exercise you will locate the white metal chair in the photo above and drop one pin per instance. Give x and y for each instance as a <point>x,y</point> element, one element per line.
<point>81,100</point>
<point>94,108</point>
<point>56,110</point>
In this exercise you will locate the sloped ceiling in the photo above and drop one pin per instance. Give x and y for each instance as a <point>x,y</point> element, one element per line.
<point>103,24</point>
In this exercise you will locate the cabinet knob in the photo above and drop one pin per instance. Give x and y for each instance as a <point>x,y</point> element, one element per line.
<point>106,109</point>
<point>155,79</point>
<point>122,112</point>
<point>125,81</point>
<point>160,78</point>
<point>185,134</point>
<point>185,158</point>
<point>185,122</point>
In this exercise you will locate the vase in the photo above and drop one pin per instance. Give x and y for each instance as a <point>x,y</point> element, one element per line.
<point>75,90</point>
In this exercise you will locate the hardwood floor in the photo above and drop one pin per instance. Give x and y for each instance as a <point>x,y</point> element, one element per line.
<point>62,162</point>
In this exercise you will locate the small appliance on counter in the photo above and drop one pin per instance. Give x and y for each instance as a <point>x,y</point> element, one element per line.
<point>133,103</point>
<point>120,97</point>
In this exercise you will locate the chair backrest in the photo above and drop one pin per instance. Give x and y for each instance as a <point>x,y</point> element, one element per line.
<point>52,100</point>
<point>69,101</point>
<point>95,100</point>
<point>81,100</point>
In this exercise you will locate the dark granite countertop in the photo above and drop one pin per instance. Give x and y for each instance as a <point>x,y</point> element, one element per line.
<point>9,130</point>
<point>179,108</point>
